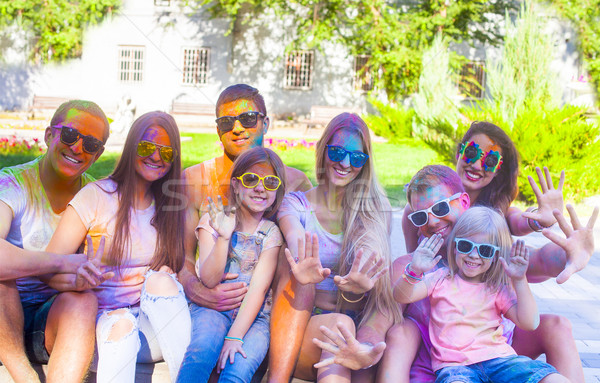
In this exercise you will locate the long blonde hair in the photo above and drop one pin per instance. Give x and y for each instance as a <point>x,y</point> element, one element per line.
<point>478,220</point>
<point>366,220</point>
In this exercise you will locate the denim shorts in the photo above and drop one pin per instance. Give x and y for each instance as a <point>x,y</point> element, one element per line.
<point>511,369</point>
<point>36,315</point>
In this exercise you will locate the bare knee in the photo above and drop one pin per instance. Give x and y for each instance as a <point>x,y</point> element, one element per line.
<point>76,304</point>
<point>344,320</point>
<point>403,333</point>
<point>555,324</point>
<point>161,284</point>
<point>121,327</point>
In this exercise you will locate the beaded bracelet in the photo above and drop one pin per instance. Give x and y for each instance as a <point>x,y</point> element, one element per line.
<point>410,275</point>
<point>534,224</point>
<point>234,338</point>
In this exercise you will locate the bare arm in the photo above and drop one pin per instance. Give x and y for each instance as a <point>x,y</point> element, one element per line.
<point>19,263</point>
<point>423,260</point>
<point>565,256</point>
<point>225,296</point>
<point>524,313</point>
<point>259,286</point>
<point>296,180</point>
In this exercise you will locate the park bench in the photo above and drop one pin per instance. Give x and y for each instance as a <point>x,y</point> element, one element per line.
<point>320,115</point>
<point>45,104</point>
<point>178,107</point>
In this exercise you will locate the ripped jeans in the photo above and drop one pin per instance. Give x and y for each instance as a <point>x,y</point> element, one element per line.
<point>160,329</point>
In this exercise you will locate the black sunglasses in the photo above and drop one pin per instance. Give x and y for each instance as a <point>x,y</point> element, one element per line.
<point>337,154</point>
<point>247,119</point>
<point>69,136</point>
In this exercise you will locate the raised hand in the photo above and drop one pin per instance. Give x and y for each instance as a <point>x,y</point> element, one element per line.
<point>223,222</point>
<point>307,267</point>
<point>578,244</point>
<point>519,261</point>
<point>88,275</point>
<point>347,351</point>
<point>230,348</point>
<point>548,198</point>
<point>425,256</point>
<point>361,279</point>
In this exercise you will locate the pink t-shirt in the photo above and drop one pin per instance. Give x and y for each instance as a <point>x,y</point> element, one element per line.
<point>465,325</point>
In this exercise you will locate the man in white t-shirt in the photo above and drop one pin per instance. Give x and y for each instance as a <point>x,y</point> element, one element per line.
<point>54,327</point>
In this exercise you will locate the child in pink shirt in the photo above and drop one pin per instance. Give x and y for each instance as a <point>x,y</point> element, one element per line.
<point>469,297</point>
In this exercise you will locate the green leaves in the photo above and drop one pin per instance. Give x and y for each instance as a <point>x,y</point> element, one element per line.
<point>55,27</point>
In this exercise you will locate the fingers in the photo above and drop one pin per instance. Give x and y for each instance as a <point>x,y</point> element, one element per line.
<point>90,247</point>
<point>376,269</point>
<point>504,264</point>
<point>378,348</point>
<point>324,363</point>
<point>100,250</point>
<point>348,336</point>
<point>534,187</point>
<point>219,203</point>
<point>325,346</point>
<point>562,223</point>
<point>302,246</point>
<point>212,209</point>
<point>436,260</point>
<point>358,259</point>
<point>314,248</point>
<point>230,276</point>
<point>339,280</point>
<point>554,237</point>
<point>561,182</point>
<point>574,219</point>
<point>83,273</point>
<point>332,336</point>
<point>325,272</point>
<point>291,261</point>
<point>564,276</point>
<point>592,220</point>
<point>543,183</point>
<point>548,178</point>
<point>108,275</point>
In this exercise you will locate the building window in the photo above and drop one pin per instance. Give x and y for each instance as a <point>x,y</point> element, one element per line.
<point>195,65</point>
<point>299,70</point>
<point>162,3</point>
<point>131,64</point>
<point>363,74</point>
<point>472,80</point>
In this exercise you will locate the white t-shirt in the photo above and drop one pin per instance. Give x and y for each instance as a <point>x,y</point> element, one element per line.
<point>97,205</point>
<point>33,222</point>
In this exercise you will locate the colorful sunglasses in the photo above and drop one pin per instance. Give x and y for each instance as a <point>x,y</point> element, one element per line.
<point>247,119</point>
<point>69,136</point>
<point>485,250</point>
<point>251,180</point>
<point>470,153</point>
<point>439,209</point>
<point>147,148</point>
<point>337,154</point>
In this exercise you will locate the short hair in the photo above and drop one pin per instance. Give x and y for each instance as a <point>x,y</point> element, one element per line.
<point>431,176</point>
<point>503,189</point>
<point>89,107</point>
<point>241,92</point>
<point>251,157</point>
<point>483,220</point>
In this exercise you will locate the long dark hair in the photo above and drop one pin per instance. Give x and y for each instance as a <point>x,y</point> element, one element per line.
<point>168,217</point>
<point>503,189</point>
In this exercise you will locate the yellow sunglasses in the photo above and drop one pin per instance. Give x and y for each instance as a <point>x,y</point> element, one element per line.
<point>251,180</point>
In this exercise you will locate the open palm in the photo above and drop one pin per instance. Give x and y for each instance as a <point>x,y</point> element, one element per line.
<point>222,221</point>
<point>307,268</point>
<point>361,279</point>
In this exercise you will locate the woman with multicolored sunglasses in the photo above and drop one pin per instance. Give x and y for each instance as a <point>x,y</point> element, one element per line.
<point>143,314</point>
<point>344,264</point>
<point>484,281</point>
<point>241,240</point>
<point>488,166</point>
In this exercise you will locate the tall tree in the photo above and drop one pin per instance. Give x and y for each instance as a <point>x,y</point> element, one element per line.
<point>394,33</point>
<point>54,28</point>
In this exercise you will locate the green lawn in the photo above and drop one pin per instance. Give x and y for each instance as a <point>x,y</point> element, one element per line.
<point>395,163</point>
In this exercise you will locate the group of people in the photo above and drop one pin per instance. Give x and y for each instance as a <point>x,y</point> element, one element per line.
<point>239,263</point>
